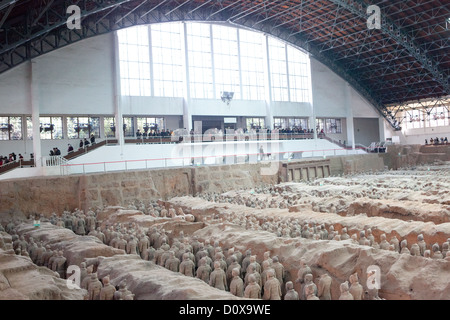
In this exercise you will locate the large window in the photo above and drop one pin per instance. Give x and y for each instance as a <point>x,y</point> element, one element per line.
<point>226,60</point>
<point>298,75</point>
<point>128,127</point>
<point>219,58</point>
<point>252,65</point>
<point>51,127</point>
<point>291,123</point>
<point>329,125</point>
<point>83,127</point>
<point>134,61</point>
<point>298,123</point>
<point>168,71</point>
<point>200,60</point>
<point>278,70</point>
<point>438,117</point>
<point>109,126</point>
<point>10,128</point>
<point>424,114</point>
<point>29,128</point>
<point>150,125</point>
<point>415,119</point>
<point>279,123</point>
<point>255,123</point>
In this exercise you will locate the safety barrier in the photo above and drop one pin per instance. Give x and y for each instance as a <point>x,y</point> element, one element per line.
<point>125,165</point>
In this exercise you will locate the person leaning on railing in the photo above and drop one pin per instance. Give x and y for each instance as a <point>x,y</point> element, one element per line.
<point>12,157</point>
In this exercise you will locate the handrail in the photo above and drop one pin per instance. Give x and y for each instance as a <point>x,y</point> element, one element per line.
<point>53,161</point>
<point>248,136</point>
<point>191,160</point>
<point>208,137</point>
<point>81,151</point>
<point>15,164</point>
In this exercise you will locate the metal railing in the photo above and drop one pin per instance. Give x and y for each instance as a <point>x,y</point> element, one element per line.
<point>125,165</point>
<point>218,137</point>
<point>53,161</point>
<point>15,164</point>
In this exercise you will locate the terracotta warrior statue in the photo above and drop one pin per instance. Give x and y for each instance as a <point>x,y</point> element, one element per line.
<point>237,284</point>
<point>291,294</point>
<point>272,289</point>
<point>324,287</point>
<point>253,290</point>
<point>356,289</point>
<point>218,278</point>
<point>345,294</point>
<point>94,287</point>
<point>108,290</point>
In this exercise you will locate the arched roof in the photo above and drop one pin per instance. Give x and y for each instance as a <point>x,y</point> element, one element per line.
<point>405,60</point>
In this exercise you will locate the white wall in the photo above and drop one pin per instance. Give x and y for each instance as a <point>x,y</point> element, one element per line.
<point>206,107</point>
<point>291,109</point>
<point>328,90</point>
<point>360,107</point>
<point>329,95</point>
<point>152,106</point>
<point>366,130</point>
<point>14,89</point>
<point>331,99</point>
<point>78,78</point>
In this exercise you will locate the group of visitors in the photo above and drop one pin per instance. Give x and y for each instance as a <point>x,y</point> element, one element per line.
<point>437,141</point>
<point>153,133</point>
<point>55,152</point>
<point>84,143</point>
<point>295,130</point>
<point>12,157</point>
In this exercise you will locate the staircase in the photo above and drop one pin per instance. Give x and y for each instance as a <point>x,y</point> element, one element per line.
<point>83,151</point>
<point>55,161</point>
<point>16,164</point>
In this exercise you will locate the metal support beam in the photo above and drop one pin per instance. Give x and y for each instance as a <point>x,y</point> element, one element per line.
<point>398,34</point>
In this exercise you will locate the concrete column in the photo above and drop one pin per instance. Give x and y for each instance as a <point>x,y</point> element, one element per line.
<point>381,128</point>
<point>187,114</point>
<point>35,113</point>
<point>117,94</point>
<point>102,127</point>
<point>287,72</point>
<point>150,54</point>
<point>312,118</point>
<point>213,66</point>
<point>241,87</point>
<point>350,125</point>
<point>24,135</point>
<point>268,85</point>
